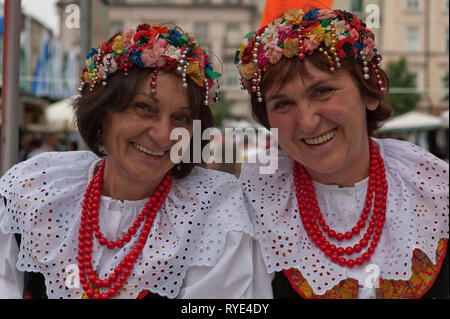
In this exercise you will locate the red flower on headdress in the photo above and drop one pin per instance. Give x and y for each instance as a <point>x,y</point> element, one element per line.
<point>247,55</point>
<point>346,48</point>
<point>144,27</point>
<point>171,64</point>
<point>144,39</point>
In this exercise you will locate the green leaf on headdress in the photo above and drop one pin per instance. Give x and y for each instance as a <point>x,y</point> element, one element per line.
<point>325,23</point>
<point>249,35</point>
<point>92,65</point>
<point>213,75</point>
<point>165,36</point>
<point>281,44</point>
<point>236,57</point>
<point>283,20</point>
<point>183,40</point>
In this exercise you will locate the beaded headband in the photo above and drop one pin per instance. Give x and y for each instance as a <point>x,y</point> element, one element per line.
<point>156,47</point>
<point>335,33</point>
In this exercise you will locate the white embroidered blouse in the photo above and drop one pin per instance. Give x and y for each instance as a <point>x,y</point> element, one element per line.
<point>200,245</point>
<point>416,217</point>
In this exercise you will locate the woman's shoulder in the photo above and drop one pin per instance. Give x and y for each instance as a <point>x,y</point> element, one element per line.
<point>409,162</point>
<point>46,170</point>
<point>407,153</point>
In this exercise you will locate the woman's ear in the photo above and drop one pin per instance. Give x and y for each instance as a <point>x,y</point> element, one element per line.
<point>371,104</point>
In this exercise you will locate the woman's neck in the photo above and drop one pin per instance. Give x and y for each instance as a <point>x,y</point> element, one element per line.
<point>118,185</point>
<point>347,176</point>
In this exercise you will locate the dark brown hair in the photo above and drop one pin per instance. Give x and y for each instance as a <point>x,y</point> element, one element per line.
<point>91,108</point>
<point>277,75</point>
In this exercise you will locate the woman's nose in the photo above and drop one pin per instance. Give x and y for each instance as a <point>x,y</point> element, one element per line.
<point>307,118</point>
<point>160,133</point>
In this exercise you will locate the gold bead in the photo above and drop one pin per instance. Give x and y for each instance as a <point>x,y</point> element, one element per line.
<point>332,69</point>
<point>321,50</point>
<point>332,49</point>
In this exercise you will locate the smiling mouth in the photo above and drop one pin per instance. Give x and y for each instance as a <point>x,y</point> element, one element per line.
<point>146,150</point>
<point>321,139</point>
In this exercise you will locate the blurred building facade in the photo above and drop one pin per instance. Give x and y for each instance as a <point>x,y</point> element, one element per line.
<point>421,36</point>
<point>416,30</point>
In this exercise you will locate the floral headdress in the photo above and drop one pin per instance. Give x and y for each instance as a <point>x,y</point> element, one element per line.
<point>335,33</point>
<point>156,47</point>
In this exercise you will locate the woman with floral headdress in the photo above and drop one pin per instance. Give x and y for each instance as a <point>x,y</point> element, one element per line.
<point>345,215</point>
<point>123,220</point>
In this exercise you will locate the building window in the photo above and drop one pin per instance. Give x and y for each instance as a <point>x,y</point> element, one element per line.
<point>201,32</point>
<point>412,39</point>
<point>412,5</point>
<point>357,6</point>
<point>233,36</point>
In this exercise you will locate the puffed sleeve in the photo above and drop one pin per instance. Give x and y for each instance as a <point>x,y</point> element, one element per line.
<point>11,280</point>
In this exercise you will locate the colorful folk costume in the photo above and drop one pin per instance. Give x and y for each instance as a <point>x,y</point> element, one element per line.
<point>191,239</point>
<point>385,237</point>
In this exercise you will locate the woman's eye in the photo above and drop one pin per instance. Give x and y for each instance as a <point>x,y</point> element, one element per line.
<point>283,105</point>
<point>322,92</point>
<point>143,106</point>
<point>183,118</point>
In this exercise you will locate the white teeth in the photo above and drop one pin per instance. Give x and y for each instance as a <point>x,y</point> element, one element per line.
<point>146,150</point>
<point>321,139</point>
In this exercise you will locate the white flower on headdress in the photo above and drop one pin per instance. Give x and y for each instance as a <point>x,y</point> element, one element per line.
<point>173,52</point>
<point>270,33</point>
<point>341,28</point>
<point>113,65</point>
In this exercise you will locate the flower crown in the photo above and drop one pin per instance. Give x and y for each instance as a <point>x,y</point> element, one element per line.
<point>156,47</point>
<point>335,33</point>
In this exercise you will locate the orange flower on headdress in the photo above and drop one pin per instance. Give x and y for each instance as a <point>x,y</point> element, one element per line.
<point>250,68</point>
<point>294,16</point>
<point>291,47</point>
<point>195,72</point>
<point>160,29</point>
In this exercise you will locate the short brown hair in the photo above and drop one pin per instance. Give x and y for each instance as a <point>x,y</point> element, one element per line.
<point>277,75</point>
<point>91,108</point>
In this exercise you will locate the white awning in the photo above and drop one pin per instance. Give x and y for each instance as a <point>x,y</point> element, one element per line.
<point>412,121</point>
<point>59,116</point>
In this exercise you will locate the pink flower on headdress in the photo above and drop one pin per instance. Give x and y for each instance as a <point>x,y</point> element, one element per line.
<point>101,71</point>
<point>263,61</point>
<point>274,53</point>
<point>127,37</point>
<point>326,14</point>
<point>285,32</point>
<point>354,33</point>
<point>311,44</point>
<point>368,50</point>
<point>154,56</point>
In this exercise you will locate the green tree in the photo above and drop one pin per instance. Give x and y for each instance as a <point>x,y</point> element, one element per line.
<point>400,78</point>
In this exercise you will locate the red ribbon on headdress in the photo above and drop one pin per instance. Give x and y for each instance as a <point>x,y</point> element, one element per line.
<point>275,8</point>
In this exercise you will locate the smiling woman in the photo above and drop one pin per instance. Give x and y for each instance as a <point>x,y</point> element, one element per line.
<point>341,202</point>
<point>122,220</point>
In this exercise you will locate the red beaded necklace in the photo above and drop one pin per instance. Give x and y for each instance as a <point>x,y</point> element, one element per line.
<point>313,220</point>
<point>89,229</point>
